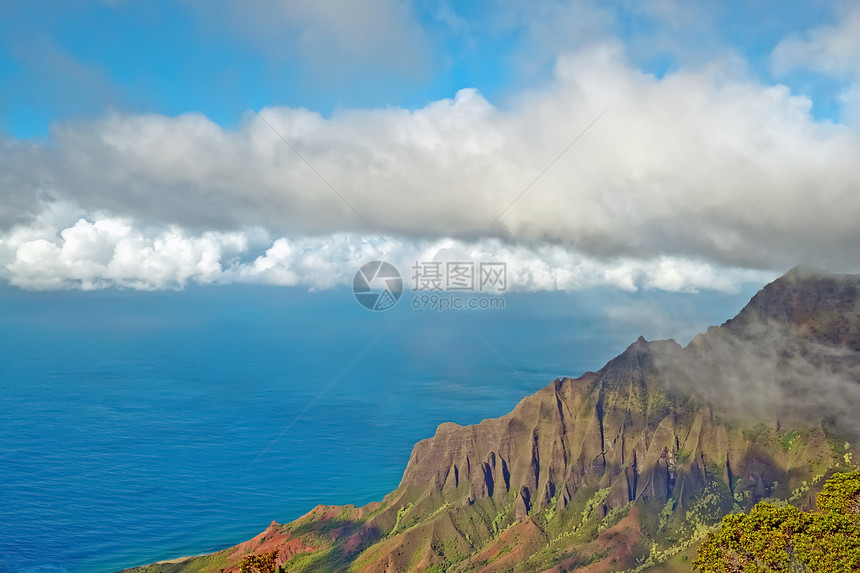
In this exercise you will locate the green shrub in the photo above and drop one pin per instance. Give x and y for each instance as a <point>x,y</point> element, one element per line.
<point>783,538</point>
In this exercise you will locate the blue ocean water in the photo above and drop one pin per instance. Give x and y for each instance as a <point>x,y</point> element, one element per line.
<point>137,426</point>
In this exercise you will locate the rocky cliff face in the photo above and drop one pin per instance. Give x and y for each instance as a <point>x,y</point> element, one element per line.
<point>621,468</point>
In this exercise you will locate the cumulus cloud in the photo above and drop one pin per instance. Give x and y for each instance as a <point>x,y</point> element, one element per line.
<point>111,252</point>
<point>707,164</point>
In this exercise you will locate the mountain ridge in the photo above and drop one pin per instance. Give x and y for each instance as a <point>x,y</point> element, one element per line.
<point>623,468</point>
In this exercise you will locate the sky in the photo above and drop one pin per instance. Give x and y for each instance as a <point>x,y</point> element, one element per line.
<point>659,144</point>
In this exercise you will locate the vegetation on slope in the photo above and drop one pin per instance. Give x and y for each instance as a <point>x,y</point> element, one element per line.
<point>779,537</point>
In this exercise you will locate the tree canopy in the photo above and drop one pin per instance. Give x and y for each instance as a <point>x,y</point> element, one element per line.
<point>262,563</point>
<point>776,538</point>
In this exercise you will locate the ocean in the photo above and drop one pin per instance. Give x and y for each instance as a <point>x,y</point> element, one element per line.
<point>140,426</point>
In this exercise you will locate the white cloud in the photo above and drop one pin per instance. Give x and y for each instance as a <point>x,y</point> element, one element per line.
<point>832,49</point>
<point>112,252</point>
<point>705,164</point>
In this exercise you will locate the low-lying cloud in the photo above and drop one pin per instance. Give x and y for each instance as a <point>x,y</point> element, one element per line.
<point>771,371</point>
<point>109,251</point>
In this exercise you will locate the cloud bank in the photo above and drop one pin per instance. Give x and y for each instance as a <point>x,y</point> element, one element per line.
<point>110,251</point>
<point>698,179</point>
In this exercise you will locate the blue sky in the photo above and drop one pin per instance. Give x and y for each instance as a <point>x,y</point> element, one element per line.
<point>152,145</point>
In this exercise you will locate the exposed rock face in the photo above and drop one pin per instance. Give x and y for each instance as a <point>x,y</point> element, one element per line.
<point>572,434</point>
<point>657,444</point>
